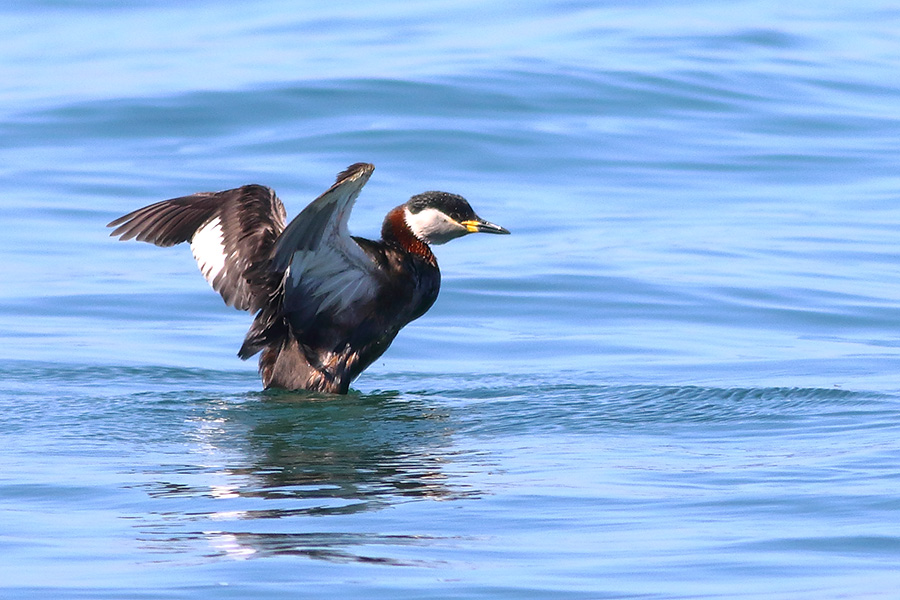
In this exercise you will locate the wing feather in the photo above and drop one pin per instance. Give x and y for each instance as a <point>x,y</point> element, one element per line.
<point>232,234</point>
<point>326,270</point>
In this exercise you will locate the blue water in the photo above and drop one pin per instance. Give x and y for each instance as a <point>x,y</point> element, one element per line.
<point>678,378</point>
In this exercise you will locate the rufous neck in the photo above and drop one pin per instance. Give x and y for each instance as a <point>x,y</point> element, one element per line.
<point>397,231</point>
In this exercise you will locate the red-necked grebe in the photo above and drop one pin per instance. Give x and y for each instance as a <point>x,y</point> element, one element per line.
<point>327,304</point>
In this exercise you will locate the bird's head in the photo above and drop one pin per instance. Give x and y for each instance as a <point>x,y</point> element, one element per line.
<point>438,217</point>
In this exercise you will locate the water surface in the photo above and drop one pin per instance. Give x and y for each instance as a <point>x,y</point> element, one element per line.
<point>676,379</point>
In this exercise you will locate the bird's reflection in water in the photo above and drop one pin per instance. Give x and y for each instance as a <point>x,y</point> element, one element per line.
<point>290,456</point>
<point>365,449</point>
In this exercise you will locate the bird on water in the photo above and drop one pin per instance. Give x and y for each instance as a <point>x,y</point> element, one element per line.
<point>327,304</point>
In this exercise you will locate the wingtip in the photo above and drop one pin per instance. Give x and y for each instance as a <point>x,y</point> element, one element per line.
<point>121,227</point>
<point>354,171</point>
<point>119,221</point>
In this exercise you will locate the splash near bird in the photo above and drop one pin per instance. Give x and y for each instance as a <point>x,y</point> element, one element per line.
<point>327,304</point>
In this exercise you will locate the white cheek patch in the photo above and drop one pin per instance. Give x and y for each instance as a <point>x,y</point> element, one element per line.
<point>432,226</point>
<point>208,248</point>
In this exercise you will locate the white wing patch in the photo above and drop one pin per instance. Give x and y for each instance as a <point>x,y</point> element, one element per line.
<point>208,248</point>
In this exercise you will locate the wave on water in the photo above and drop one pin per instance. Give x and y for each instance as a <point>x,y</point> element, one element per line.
<point>579,408</point>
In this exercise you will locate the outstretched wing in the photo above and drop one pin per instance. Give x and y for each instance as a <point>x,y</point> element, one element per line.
<point>231,233</point>
<point>326,270</point>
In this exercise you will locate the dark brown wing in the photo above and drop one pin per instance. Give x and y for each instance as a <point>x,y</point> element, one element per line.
<point>232,234</point>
